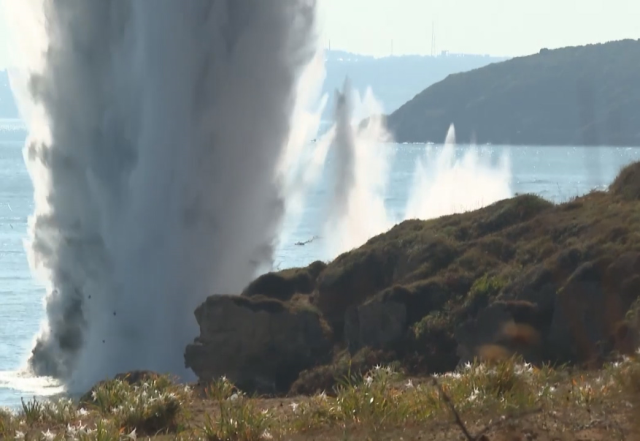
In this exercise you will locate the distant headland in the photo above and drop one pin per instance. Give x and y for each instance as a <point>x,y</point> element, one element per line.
<point>585,95</point>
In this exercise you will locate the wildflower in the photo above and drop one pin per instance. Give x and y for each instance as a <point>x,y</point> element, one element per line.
<point>409,384</point>
<point>49,435</point>
<point>267,435</point>
<point>94,395</point>
<point>474,395</point>
<point>234,397</point>
<point>19,434</point>
<point>368,380</point>
<point>294,406</point>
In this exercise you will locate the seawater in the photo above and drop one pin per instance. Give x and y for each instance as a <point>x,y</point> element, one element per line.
<point>554,173</point>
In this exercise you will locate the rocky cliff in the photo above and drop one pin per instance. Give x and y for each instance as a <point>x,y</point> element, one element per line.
<point>553,283</point>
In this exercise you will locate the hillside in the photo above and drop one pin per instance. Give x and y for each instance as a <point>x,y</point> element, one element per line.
<point>587,95</point>
<point>554,283</point>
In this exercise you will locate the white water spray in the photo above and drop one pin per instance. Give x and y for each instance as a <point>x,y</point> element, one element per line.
<point>302,159</point>
<point>444,184</point>
<point>356,210</point>
<point>155,160</point>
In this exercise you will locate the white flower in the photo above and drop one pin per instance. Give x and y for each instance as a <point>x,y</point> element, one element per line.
<point>294,406</point>
<point>409,384</point>
<point>19,435</point>
<point>234,397</point>
<point>467,365</point>
<point>132,435</point>
<point>48,435</point>
<point>368,380</point>
<point>474,395</point>
<point>94,395</point>
<point>266,435</point>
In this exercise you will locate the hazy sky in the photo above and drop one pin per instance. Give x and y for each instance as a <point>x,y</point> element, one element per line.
<point>497,27</point>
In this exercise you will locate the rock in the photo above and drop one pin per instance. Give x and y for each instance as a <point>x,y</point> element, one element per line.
<point>349,281</point>
<point>258,343</point>
<point>283,285</point>
<point>511,325</point>
<point>591,306</point>
<point>376,324</point>
<point>480,331</point>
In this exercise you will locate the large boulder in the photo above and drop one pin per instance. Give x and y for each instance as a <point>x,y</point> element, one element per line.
<point>260,344</point>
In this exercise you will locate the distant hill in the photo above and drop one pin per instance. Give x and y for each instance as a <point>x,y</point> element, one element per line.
<point>394,80</point>
<point>587,95</point>
<point>8,107</point>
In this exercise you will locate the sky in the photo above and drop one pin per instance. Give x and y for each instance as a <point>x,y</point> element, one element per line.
<point>495,27</point>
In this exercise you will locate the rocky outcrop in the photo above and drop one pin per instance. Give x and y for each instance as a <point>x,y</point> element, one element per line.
<point>283,285</point>
<point>553,283</point>
<point>259,344</point>
<point>515,326</point>
<point>377,325</point>
<point>591,306</point>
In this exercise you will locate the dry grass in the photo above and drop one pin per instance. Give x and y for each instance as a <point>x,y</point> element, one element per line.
<point>489,399</point>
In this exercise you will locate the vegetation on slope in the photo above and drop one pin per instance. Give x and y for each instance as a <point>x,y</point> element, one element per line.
<point>553,283</point>
<point>498,400</point>
<point>586,95</point>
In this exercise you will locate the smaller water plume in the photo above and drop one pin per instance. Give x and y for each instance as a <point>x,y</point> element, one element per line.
<point>445,184</point>
<point>356,210</point>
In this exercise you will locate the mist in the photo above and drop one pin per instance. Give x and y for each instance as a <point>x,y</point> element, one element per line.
<point>158,131</point>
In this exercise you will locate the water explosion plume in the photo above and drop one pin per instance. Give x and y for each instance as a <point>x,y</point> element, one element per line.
<point>157,180</point>
<point>356,210</point>
<point>445,184</point>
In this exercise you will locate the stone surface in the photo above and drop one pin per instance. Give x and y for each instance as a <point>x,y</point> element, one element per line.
<point>591,306</point>
<point>376,324</point>
<point>259,344</point>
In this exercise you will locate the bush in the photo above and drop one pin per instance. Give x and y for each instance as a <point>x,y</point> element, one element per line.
<point>326,377</point>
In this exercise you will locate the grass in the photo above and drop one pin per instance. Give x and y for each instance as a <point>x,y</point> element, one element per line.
<point>492,397</point>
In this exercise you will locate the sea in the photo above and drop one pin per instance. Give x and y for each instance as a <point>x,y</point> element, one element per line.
<point>554,173</point>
